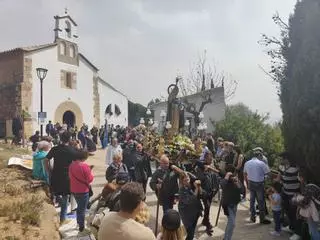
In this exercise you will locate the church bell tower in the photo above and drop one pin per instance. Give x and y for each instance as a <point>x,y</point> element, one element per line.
<point>65,28</point>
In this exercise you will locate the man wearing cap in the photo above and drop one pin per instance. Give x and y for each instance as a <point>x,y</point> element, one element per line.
<point>260,150</point>
<point>254,172</point>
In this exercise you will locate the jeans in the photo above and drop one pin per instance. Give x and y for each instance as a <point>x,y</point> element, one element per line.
<point>132,175</point>
<point>207,200</point>
<point>82,202</point>
<point>257,191</point>
<point>291,211</point>
<point>232,212</point>
<point>276,219</point>
<point>313,229</point>
<point>191,230</point>
<point>63,202</point>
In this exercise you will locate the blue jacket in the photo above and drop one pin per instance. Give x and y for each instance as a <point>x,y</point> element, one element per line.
<point>38,171</point>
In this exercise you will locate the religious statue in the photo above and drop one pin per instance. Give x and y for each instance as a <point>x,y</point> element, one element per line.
<point>173,91</point>
<point>173,109</point>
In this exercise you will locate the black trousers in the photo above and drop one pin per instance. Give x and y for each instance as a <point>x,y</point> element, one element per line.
<point>207,200</point>
<point>291,211</point>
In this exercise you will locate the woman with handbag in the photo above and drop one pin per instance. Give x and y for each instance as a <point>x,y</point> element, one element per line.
<point>81,177</point>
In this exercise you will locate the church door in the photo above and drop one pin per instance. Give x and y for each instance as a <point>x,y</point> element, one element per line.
<point>69,118</point>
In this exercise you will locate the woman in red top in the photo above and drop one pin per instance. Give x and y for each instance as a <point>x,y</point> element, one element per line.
<point>80,179</point>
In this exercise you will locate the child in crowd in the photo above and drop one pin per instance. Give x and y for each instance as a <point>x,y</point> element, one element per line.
<point>171,228</point>
<point>275,200</point>
<point>81,177</point>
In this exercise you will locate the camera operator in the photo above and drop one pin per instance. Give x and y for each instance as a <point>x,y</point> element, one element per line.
<point>231,196</point>
<point>164,182</point>
<point>190,207</point>
<point>210,184</point>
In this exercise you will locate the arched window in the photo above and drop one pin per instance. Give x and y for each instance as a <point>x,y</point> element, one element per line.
<point>62,48</point>
<point>68,28</point>
<point>72,51</point>
<point>109,110</point>
<point>117,110</point>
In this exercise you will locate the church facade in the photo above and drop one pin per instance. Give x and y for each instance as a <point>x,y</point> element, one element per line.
<point>73,91</point>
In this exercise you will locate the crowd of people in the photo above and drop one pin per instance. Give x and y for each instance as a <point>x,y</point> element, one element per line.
<point>190,183</point>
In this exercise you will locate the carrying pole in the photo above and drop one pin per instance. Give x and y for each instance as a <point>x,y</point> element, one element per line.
<point>157,218</point>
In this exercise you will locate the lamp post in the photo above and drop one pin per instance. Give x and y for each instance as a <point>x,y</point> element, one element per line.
<point>41,73</point>
<point>148,119</point>
<point>187,124</point>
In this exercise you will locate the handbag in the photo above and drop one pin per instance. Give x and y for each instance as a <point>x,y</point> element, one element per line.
<point>88,185</point>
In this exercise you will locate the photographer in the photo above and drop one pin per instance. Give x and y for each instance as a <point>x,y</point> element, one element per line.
<point>210,184</point>
<point>231,196</point>
<point>190,207</point>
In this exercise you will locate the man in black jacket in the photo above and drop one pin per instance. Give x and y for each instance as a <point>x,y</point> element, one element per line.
<point>164,182</point>
<point>142,169</point>
<point>208,176</point>
<point>231,190</point>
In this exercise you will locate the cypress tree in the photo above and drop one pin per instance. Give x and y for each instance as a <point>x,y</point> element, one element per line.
<point>300,87</point>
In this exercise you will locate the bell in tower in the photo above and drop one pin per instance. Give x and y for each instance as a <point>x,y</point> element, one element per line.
<point>65,28</point>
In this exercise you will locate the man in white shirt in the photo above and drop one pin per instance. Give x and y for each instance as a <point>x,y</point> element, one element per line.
<point>113,149</point>
<point>121,225</point>
<point>254,172</point>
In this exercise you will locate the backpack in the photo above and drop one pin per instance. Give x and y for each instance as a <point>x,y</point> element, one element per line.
<point>114,201</point>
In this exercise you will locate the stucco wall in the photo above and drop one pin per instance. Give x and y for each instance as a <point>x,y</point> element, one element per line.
<point>109,96</point>
<point>53,94</point>
<point>212,111</point>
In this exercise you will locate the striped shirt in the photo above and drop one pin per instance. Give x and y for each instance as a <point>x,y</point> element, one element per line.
<point>290,181</point>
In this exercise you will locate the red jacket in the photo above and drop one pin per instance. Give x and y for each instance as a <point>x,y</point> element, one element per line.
<point>80,177</point>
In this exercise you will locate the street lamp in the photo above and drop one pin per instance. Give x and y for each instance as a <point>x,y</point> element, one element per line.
<point>41,73</point>
<point>148,112</point>
<point>142,121</point>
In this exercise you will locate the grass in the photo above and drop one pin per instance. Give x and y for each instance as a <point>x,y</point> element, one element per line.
<point>27,210</point>
<point>7,151</point>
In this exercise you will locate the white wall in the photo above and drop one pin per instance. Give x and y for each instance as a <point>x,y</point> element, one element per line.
<point>53,94</point>
<point>109,96</point>
<point>212,111</point>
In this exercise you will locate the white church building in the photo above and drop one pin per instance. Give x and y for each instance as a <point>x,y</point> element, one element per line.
<point>73,91</point>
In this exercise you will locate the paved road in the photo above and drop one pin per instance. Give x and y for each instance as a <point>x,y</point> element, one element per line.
<point>244,229</point>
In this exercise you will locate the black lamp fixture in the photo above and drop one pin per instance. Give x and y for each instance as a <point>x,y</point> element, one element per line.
<point>41,73</point>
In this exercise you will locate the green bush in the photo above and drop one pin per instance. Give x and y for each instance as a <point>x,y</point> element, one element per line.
<point>249,130</point>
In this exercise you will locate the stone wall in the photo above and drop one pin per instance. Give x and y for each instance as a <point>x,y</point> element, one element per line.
<point>11,78</point>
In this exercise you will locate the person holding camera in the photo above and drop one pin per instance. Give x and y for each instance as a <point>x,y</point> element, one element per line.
<point>190,207</point>
<point>231,196</point>
<point>207,174</point>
